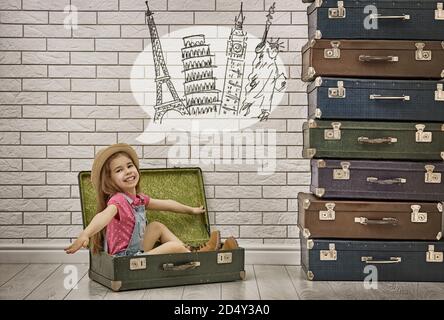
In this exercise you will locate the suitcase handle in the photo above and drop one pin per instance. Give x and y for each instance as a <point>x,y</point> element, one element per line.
<point>364,58</point>
<point>388,181</point>
<point>380,16</point>
<point>379,97</point>
<point>384,221</point>
<point>369,260</point>
<point>388,140</point>
<point>181,267</point>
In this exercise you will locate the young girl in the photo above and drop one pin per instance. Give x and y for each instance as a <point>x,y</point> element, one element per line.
<point>121,209</point>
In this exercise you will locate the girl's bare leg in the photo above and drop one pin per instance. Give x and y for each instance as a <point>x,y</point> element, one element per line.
<point>156,231</point>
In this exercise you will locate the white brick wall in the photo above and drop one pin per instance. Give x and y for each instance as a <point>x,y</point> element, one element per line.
<point>66,93</point>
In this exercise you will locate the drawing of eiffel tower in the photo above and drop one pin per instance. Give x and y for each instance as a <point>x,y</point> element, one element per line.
<point>162,75</point>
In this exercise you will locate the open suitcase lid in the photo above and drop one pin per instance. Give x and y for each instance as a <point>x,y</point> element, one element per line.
<point>184,185</point>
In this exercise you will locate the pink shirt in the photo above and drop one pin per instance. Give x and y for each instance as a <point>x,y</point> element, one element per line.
<point>120,229</point>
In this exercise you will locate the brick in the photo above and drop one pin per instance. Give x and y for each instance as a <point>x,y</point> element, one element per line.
<point>293,242</point>
<point>191,5</point>
<point>263,231</point>
<point>70,44</point>
<point>228,18</point>
<point>280,31</point>
<point>17,178</point>
<point>156,151</point>
<point>94,58</point>
<point>46,165</point>
<point>141,31</point>
<point>9,138</point>
<point>11,30</point>
<point>223,204</point>
<point>45,5</point>
<point>72,71</point>
<point>152,163</point>
<point>296,44</point>
<point>23,97</point>
<point>23,152</point>
<point>95,85</point>
<point>23,205</point>
<point>82,17</point>
<point>11,241</point>
<point>239,218</point>
<point>11,218</point>
<point>119,125</point>
<point>81,164</point>
<point>298,99</point>
<point>238,165</point>
<point>92,138</point>
<point>22,125</point>
<point>133,112</point>
<point>70,152</point>
<point>48,111</point>
<point>284,191</point>
<point>294,152</point>
<point>10,57</point>
<point>179,17</point>
<point>238,192</point>
<point>46,138</point>
<point>80,98</point>
<point>227,231</point>
<point>45,57</point>
<point>64,231</point>
<point>289,139</point>
<point>96,5</point>
<point>120,72</point>
<point>119,44</point>
<point>23,231</point>
<point>295,125</point>
<point>221,178</point>
<point>263,205</point>
<point>76,218</point>
<point>64,205</point>
<point>299,178</point>
<point>11,111</point>
<point>293,232</point>
<point>119,98</point>
<point>234,5</point>
<point>246,178</point>
<point>11,192</point>
<point>299,165</point>
<point>75,192</point>
<point>23,44</point>
<point>10,164</point>
<point>287,5</point>
<point>24,17</point>
<point>46,31</point>
<point>23,71</point>
<point>135,58</point>
<point>46,191</point>
<point>136,5</point>
<point>10,85</point>
<point>280,218</point>
<point>10,4</point>
<point>95,31</point>
<point>122,18</point>
<point>45,242</point>
<point>46,85</point>
<point>96,112</point>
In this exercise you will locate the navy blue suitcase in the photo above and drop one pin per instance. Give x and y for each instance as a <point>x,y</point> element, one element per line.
<point>376,19</point>
<point>348,260</point>
<point>374,99</point>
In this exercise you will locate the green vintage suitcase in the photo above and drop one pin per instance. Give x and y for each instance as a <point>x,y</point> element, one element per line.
<point>373,140</point>
<point>140,272</point>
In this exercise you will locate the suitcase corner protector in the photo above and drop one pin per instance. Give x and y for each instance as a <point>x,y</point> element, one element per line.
<point>243,275</point>
<point>319,192</point>
<point>310,275</point>
<point>116,285</point>
<point>439,236</point>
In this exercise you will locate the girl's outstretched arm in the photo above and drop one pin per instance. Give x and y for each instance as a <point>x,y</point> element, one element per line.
<point>174,206</point>
<point>97,223</point>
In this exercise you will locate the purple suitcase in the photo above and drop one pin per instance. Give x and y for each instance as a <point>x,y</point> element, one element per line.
<point>389,180</point>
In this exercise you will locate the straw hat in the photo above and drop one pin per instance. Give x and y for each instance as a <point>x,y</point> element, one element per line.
<point>104,155</point>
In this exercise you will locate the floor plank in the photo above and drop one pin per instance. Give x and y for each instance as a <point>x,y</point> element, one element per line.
<point>396,291</point>
<point>53,288</point>
<point>430,291</point>
<point>309,290</point>
<point>87,290</point>
<point>274,283</point>
<point>170,293</point>
<point>352,290</point>
<point>9,270</point>
<point>125,295</point>
<point>211,291</point>
<point>242,290</point>
<point>26,281</point>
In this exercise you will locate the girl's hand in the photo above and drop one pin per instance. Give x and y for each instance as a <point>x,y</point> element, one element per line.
<point>81,241</point>
<point>198,210</point>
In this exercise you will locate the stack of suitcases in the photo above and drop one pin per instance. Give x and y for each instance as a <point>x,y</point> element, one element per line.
<point>375,135</point>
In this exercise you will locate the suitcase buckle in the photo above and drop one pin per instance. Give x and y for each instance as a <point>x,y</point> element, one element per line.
<point>330,214</point>
<point>333,134</point>
<point>432,256</point>
<point>421,54</point>
<point>329,255</point>
<point>439,12</point>
<point>334,52</point>
<point>337,13</point>
<point>418,217</point>
<point>342,174</point>
<point>337,93</point>
<point>137,263</point>
<point>224,258</point>
<point>439,93</point>
<point>430,176</point>
<point>422,136</point>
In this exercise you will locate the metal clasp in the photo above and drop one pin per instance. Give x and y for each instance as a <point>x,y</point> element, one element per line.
<point>418,217</point>
<point>432,256</point>
<point>439,12</point>
<point>422,136</point>
<point>337,13</point>
<point>334,52</point>
<point>439,93</point>
<point>330,214</point>
<point>337,93</point>
<point>329,255</point>
<point>224,258</point>
<point>342,174</point>
<point>333,134</point>
<point>137,263</point>
<point>421,54</point>
<point>430,176</point>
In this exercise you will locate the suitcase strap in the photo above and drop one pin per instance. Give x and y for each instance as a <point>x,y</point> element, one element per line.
<point>366,58</point>
<point>388,181</point>
<point>181,267</point>
<point>384,221</point>
<point>385,140</point>
<point>369,260</point>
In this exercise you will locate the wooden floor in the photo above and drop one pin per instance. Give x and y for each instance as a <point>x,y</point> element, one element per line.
<point>264,282</point>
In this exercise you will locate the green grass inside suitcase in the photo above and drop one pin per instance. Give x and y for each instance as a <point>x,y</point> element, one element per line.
<point>183,185</point>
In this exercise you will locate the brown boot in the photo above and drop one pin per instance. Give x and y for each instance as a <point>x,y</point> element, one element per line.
<point>230,244</point>
<point>213,244</point>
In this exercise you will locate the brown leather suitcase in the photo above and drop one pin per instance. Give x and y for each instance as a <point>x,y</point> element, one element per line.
<point>373,58</point>
<point>343,219</point>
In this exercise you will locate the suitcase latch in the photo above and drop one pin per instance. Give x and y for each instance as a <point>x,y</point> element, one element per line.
<point>329,255</point>
<point>342,174</point>
<point>439,12</point>
<point>337,13</point>
<point>430,176</point>
<point>337,93</point>
<point>329,214</point>
<point>333,134</point>
<point>224,257</point>
<point>422,136</point>
<point>421,54</point>
<point>418,217</point>
<point>439,93</point>
<point>334,52</point>
<point>433,256</point>
<point>138,264</point>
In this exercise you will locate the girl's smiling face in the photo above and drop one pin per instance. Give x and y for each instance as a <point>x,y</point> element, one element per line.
<point>124,173</point>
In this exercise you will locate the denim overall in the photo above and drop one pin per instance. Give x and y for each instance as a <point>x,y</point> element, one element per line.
<point>135,244</point>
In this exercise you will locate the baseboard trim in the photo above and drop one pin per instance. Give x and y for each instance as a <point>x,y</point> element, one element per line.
<point>254,254</point>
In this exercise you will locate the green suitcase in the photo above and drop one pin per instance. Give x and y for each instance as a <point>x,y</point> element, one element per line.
<point>373,140</point>
<point>151,271</point>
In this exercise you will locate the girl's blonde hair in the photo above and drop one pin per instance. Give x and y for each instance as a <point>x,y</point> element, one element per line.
<point>106,189</point>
